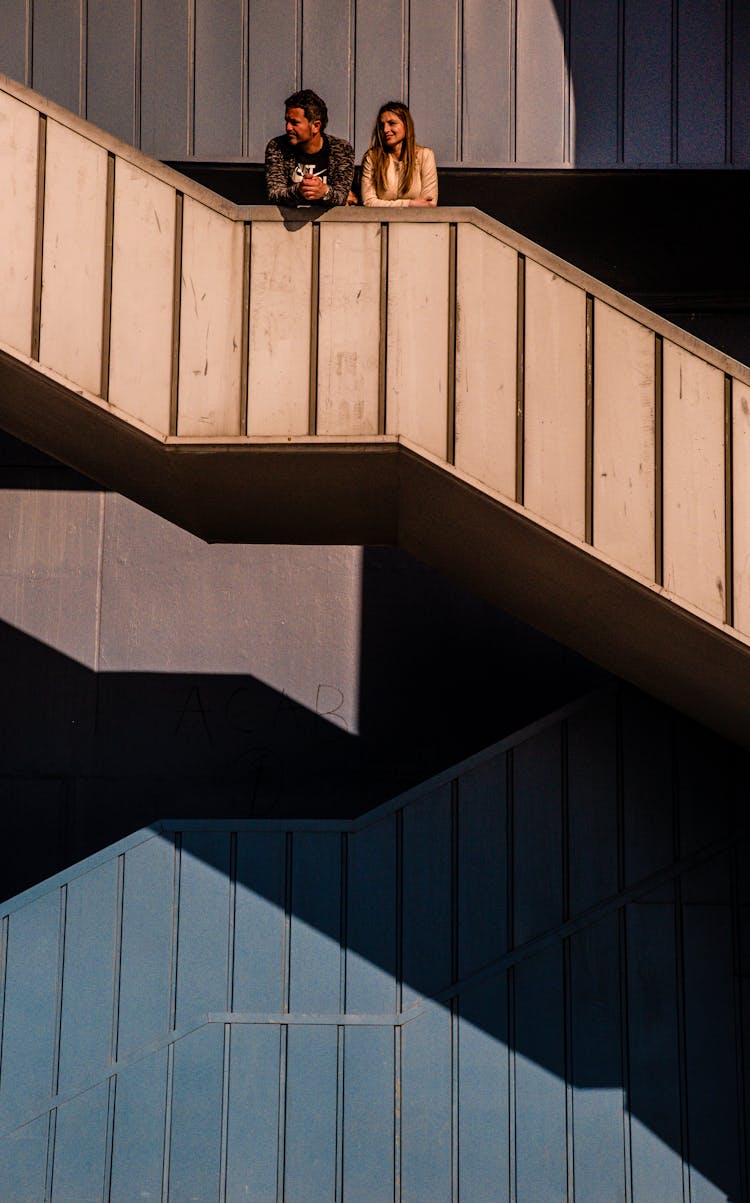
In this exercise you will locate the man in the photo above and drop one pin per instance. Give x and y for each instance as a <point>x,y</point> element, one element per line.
<point>307,167</point>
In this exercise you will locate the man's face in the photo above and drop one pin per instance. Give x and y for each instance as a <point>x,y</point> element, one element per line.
<point>299,130</point>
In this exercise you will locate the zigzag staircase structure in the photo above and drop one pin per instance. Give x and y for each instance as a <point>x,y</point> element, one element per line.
<point>430,379</point>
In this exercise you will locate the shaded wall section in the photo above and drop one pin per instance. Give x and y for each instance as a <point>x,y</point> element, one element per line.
<point>523,980</point>
<point>149,674</point>
<point>589,83</point>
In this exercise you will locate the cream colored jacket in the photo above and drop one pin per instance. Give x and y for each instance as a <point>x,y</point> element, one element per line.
<point>424,181</point>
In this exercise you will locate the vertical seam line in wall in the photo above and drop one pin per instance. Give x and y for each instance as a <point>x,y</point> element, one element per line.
<point>589,433</point>
<point>109,1139</point>
<point>109,225</point>
<point>339,1143</point>
<point>245,329</point>
<point>114,1040</point>
<point>567,973</point>
<point>99,597</point>
<point>620,136</point>
<point>340,1030</point>
<point>343,919</point>
<point>83,49</point>
<point>137,70</point>
<point>351,98</point>
<point>398,1038</point>
<point>41,173</point>
<point>286,941</point>
<point>676,727</point>
<point>728,82</point>
<point>281,1124</point>
<point>51,1138</point>
<point>675,86</point>
<point>520,375</point>
<point>459,97</point>
<point>167,1145</point>
<point>61,934</point>
<point>298,43</point>
<point>190,115</point>
<point>245,82</point>
<point>564,822</point>
<point>29,44</point>
<point>622,929</point>
<point>312,420</point>
<point>452,324</point>
<point>567,106</point>
<point>513,81</point>
<point>455,1000</point>
<point>176,314</point>
<point>383,348</point>
<point>510,976</point>
<point>175,940</point>
<point>232,916</point>
<point>658,460</point>
<point>4,935</point>
<point>224,1137</point>
<point>728,503</point>
<point>405,49</point>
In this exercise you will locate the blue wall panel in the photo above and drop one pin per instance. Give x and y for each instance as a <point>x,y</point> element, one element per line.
<point>381,1036</point>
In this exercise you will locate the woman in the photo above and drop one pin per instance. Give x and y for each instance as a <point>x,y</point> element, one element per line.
<point>395,171</point>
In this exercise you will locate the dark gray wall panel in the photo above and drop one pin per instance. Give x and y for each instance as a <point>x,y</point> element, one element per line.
<point>537,831</point>
<point>595,71</point>
<point>273,66</point>
<point>592,807</point>
<point>326,55</point>
<point>220,72</point>
<point>166,95</point>
<point>379,64</point>
<point>648,82</point>
<point>137,1163</point>
<point>196,1114</point>
<point>23,1160</point>
<point>740,91</point>
<point>701,74</point>
<point>259,922</point>
<point>253,1127</point>
<point>80,1146</point>
<point>433,61</point>
<point>368,1114</point>
<point>56,51</point>
<point>541,84</point>
<point>488,81</point>
<point>202,966</point>
<point>13,39</point>
<point>310,1160</point>
<point>111,68</point>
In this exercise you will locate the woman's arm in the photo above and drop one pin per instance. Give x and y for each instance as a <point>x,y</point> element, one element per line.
<point>429,175</point>
<point>369,195</point>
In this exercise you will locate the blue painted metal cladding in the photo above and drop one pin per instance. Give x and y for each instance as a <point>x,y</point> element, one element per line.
<point>519,982</point>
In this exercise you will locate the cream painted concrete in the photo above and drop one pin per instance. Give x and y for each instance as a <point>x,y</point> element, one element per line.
<point>694,565</point>
<point>140,375</point>
<point>75,215</point>
<point>349,329</point>
<point>19,133</point>
<point>278,389</point>
<point>555,400</point>
<point>486,303</point>
<point>209,387</point>
<point>417,364</point>
<point>624,439</point>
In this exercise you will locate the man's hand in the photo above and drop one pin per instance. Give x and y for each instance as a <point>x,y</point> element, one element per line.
<point>312,188</point>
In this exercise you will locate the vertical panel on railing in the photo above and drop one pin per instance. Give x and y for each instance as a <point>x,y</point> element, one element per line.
<point>624,398</point>
<point>371,919</point>
<point>195,1135</point>
<point>75,214</point>
<point>210,323</point>
<point>310,1146</point>
<point>486,337</point>
<point>417,364</point>
<point>259,922</point>
<point>541,80</point>
<point>19,135</point>
<point>555,400</point>
<point>23,1160</point>
<point>349,328</point>
<point>368,1114</point>
<point>315,952</point>
<point>426,1107</point>
<point>144,1005</point>
<point>279,343</point>
<point>694,562</point>
<point>482,1070</point>
<point>741,503</point>
<point>488,67</point>
<point>142,295</point>
<point>702,81</point>
<point>88,981</point>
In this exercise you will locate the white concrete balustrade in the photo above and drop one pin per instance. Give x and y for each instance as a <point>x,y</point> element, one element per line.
<point>195,319</point>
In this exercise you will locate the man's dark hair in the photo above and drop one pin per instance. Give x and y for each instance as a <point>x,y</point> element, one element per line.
<point>313,107</point>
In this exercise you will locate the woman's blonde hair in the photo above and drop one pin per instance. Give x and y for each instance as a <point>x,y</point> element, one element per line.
<point>379,154</point>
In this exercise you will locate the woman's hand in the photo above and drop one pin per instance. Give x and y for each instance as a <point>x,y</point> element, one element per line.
<point>420,202</point>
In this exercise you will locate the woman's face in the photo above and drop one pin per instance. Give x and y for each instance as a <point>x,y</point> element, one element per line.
<point>392,131</point>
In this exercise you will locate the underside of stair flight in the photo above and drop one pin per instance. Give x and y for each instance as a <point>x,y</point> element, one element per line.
<point>430,380</point>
